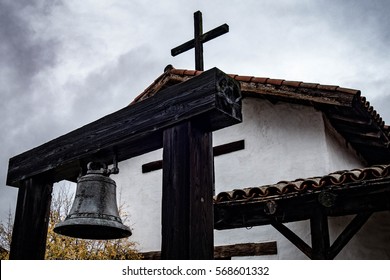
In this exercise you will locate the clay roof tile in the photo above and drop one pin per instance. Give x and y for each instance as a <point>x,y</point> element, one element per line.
<point>327,87</point>
<point>309,85</point>
<point>276,82</point>
<point>291,83</point>
<point>243,78</point>
<point>335,179</point>
<point>348,90</point>
<point>259,80</point>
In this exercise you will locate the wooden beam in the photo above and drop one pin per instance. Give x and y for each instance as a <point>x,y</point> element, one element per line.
<point>224,252</point>
<point>293,238</point>
<point>218,150</point>
<point>229,148</point>
<point>187,202</point>
<point>212,34</point>
<point>349,232</point>
<point>355,120</point>
<point>371,143</point>
<point>31,220</point>
<point>212,99</point>
<point>152,166</point>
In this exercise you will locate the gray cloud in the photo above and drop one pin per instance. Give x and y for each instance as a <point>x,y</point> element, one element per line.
<point>112,86</point>
<point>23,55</point>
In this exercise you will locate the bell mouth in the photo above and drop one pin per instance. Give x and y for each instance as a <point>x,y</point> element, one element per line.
<point>87,228</point>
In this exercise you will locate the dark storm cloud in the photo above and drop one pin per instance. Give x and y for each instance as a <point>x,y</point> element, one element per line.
<point>22,54</point>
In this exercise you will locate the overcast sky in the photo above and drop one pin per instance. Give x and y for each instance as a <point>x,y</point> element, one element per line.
<point>66,63</point>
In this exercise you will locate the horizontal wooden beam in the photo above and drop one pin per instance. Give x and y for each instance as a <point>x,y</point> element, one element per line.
<point>355,120</point>
<point>217,151</point>
<point>218,31</point>
<point>229,251</point>
<point>211,100</point>
<point>229,148</point>
<point>373,142</point>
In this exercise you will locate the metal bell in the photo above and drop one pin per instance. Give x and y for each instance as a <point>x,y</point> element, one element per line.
<point>94,213</point>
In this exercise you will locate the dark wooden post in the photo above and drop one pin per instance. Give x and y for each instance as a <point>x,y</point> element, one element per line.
<point>319,235</point>
<point>31,220</point>
<point>198,32</point>
<point>187,206</point>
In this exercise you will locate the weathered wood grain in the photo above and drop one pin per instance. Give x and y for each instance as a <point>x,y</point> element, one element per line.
<point>31,220</point>
<point>224,252</point>
<point>187,202</point>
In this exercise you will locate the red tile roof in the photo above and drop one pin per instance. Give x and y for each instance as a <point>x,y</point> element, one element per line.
<point>337,179</point>
<point>358,191</point>
<point>170,71</point>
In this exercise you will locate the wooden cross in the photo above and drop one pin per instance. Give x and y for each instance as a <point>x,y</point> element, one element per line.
<point>199,39</point>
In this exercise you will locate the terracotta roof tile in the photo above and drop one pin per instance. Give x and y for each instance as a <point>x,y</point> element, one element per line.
<point>263,80</point>
<point>233,76</point>
<point>373,113</point>
<point>192,72</point>
<point>276,82</point>
<point>178,71</point>
<point>292,83</point>
<point>327,87</point>
<point>309,85</point>
<point>348,90</point>
<point>259,80</point>
<point>243,78</point>
<point>336,179</point>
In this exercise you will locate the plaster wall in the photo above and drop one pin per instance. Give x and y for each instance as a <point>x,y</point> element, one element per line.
<point>282,142</point>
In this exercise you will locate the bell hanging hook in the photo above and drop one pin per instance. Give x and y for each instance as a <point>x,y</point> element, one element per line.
<point>115,168</point>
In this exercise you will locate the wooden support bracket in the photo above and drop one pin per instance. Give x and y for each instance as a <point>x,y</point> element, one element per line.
<point>349,232</point>
<point>320,235</point>
<point>293,238</point>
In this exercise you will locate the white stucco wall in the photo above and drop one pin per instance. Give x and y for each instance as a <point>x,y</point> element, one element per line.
<point>282,142</point>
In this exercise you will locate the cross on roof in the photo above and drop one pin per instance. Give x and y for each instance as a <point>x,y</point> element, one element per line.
<point>199,39</point>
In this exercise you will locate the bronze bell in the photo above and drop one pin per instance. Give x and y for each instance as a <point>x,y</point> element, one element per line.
<point>94,213</point>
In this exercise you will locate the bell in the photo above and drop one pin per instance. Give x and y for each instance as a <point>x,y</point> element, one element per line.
<point>94,213</point>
